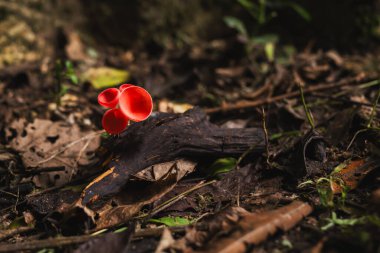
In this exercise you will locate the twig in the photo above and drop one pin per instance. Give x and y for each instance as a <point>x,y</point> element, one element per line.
<point>251,148</point>
<point>307,110</point>
<point>361,86</point>
<point>9,193</point>
<point>355,136</point>
<point>69,240</point>
<point>17,199</point>
<point>87,137</point>
<point>4,234</point>
<point>342,100</point>
<point>74,170</point>
<point>46,243</point>
<point>42,170</point>
<point>175,199</point>
<point>251,104</point>
<point>373,110</point>
<point>238,193</point>
<point>265,134</point>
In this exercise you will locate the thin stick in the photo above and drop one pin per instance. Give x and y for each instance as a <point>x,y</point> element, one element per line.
<point>69,240</point>
<point>74,170</point>
<point>89,136</point>
<point>373,111</point>
<point>307,111</point>
<point>4,234</point>
<point>175,199</point>
<point>265,134</point>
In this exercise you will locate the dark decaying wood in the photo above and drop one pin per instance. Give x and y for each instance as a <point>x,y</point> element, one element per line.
<point>166,137</point>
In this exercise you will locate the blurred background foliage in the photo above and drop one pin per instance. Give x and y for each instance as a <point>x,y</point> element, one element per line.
<point>330,23</point>
<point>28,27</point>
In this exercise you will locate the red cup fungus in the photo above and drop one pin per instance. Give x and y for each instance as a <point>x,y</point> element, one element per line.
<point>109,98</point>
<point>136,103</point>
<point>114,121</point>
<point>125,86</point>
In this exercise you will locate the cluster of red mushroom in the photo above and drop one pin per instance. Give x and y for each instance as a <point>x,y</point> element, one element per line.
<point>129,102</point>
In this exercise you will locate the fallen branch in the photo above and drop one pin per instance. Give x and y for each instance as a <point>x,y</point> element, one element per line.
<point>168,137</point>
<point>70,240</point>
<point>270,100</point>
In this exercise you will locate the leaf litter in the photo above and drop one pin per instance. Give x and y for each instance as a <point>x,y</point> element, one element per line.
<point>52,150</point>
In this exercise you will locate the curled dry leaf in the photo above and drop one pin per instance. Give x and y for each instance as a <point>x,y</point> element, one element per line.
<point>47,144</point>
<point>242,228</point>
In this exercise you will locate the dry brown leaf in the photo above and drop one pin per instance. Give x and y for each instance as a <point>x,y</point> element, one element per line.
<point>165,242</point>
<point>157,171</point>
<point>42,144</point>
<point>352,174</point>
<point>173,107</point>
<point>74,48</point>
<point>234,229</point>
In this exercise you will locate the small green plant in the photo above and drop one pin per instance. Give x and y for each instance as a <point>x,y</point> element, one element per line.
<point>262,11</point>
<point>335,221</point>
<point>306,108</point>
<point>64,72</point>
<point>324,188</point>
<point>222,165</point>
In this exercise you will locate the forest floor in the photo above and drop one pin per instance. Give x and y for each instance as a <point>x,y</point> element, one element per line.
<point>313,185</point>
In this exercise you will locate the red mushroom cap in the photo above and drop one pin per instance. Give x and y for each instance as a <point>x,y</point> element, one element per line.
<point>114,121</point>
<point>109,97</point>
<point>136,103</point>
<point>125,86</point>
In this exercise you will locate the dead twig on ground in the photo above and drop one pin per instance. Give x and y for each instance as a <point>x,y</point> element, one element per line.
<point>70,240</point>
<point>252,104</point>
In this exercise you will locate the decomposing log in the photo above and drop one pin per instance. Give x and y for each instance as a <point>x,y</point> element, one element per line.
<point>166,137</point>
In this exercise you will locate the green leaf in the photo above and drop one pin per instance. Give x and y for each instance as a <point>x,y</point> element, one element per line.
<point>236,24</point>
<point>105,77</point>
<point>265,39</point>
<point>247,4</point>
<point>222,165</point>
<point>300,10</point>
<point>105,135</point>
<point>270,50</point>
<point>172,221</point>
<point>70,73</point>
<point>73,78</point>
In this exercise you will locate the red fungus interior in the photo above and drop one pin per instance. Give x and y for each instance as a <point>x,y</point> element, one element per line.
<point>136,103</point>
<point>109,97</point>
